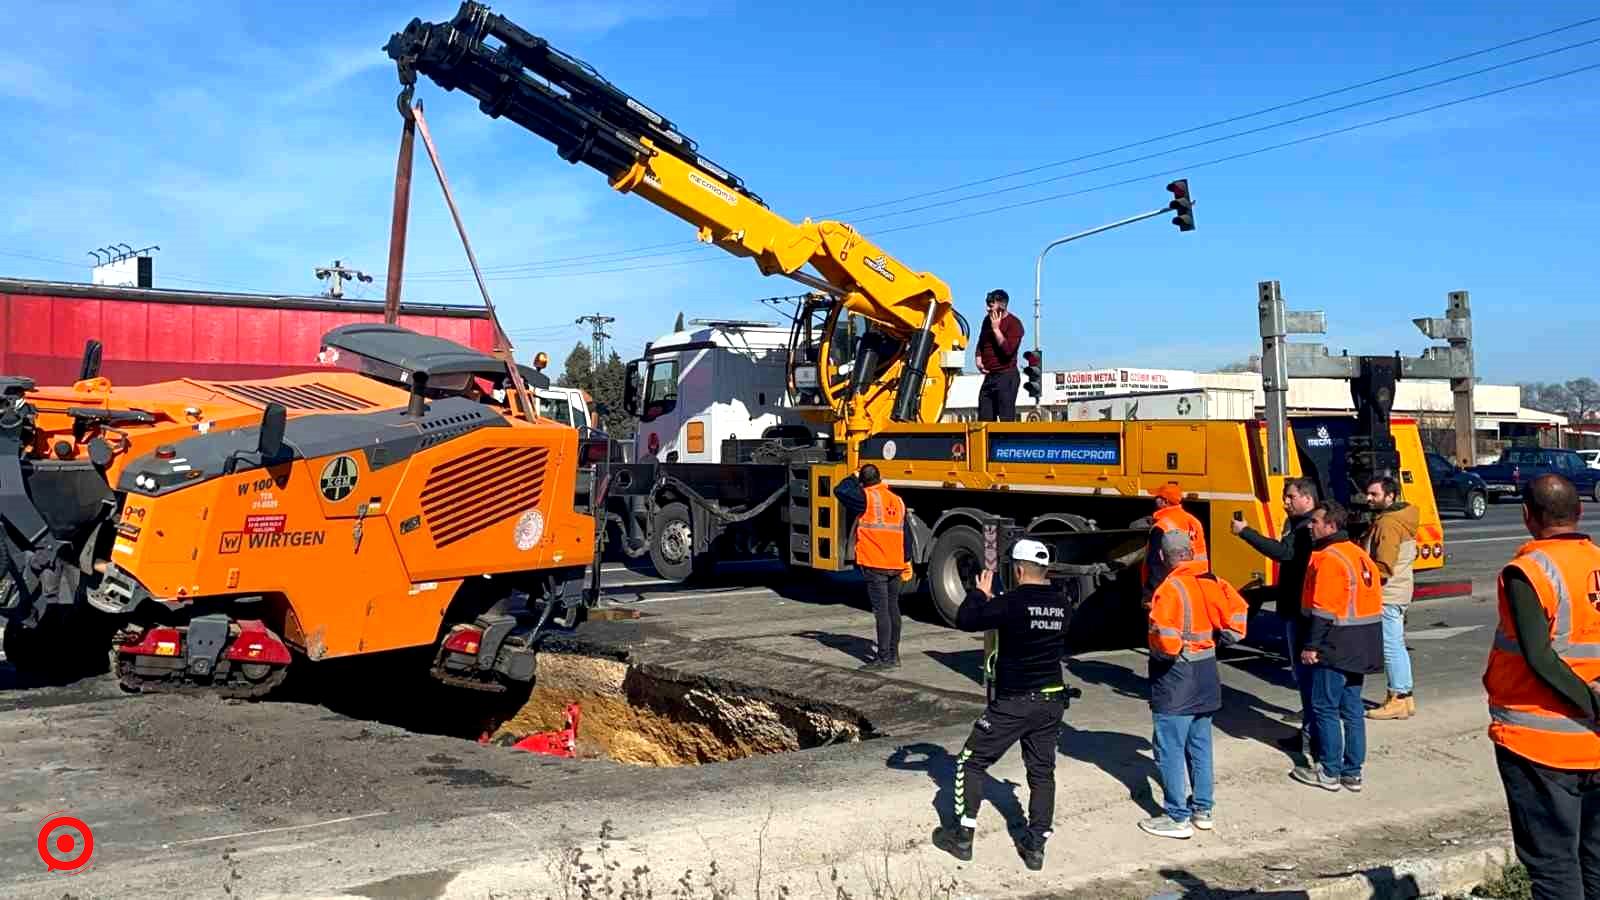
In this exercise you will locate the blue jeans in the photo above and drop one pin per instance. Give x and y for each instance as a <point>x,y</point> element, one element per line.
<point>1396,661</point>
<point>1336,700</point>
<point>1183,757</point>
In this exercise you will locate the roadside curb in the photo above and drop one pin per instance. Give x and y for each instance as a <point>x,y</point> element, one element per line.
<point>1422,876</point>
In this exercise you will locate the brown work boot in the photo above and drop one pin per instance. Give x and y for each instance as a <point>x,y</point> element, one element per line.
<point>1411,705</point>
<point>1394,707</point>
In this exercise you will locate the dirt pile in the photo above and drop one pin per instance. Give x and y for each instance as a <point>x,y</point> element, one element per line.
<point>654,717</point>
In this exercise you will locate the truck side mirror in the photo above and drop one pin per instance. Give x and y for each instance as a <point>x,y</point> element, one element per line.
<point>631,388</point>
<point>273,421</point>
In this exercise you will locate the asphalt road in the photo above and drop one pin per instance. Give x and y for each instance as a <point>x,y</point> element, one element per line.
<point>320,794</point>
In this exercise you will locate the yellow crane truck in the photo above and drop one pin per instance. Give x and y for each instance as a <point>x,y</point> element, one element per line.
<point>874,347</point>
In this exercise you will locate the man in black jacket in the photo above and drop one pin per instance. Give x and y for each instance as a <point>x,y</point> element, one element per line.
<point>1343,602</point>
<point>1291,551</point>
<point>1029,698</point>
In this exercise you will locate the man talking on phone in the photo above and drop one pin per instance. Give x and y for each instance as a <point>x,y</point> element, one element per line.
<point>1029,698</point>
<point>999,338</point>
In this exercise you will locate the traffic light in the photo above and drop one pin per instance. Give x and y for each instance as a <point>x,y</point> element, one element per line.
<point>1034,370</point>
<point>1181,204</point>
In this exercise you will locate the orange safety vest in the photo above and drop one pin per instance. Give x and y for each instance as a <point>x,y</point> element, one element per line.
<point>1189,608</point>
<point>1525,716</point>
<point>1172,518</point>
<point>1343,584</point>
<point>880,531</point>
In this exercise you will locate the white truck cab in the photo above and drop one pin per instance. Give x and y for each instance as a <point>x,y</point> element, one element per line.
<point>569,406</point>
<point>719,379</point>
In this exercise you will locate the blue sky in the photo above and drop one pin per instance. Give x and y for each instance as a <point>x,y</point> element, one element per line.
<point>255,142</point>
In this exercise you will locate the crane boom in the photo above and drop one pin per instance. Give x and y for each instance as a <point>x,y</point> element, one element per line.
<point>520,76</point>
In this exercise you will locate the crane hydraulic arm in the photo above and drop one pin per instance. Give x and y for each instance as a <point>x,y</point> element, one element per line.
<point>520,76</point>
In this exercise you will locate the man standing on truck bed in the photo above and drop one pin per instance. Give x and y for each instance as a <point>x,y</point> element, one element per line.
<point>1029,698</point>
<point>998,342</point>
<point>882,542</point>
<point>1291,552</point>
<point>1392,544</point>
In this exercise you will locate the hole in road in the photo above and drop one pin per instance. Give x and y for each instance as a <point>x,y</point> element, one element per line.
<point>653,716</point>
<point>643,715</point>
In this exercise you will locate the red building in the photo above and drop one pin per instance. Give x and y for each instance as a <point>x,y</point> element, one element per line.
<point>153,335</point>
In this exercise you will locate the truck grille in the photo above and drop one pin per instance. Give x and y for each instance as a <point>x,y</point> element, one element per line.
<point>295,396</point>
<point>466,495</point>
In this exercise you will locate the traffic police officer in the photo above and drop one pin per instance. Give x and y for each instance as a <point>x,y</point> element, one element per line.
<point>1029,698</point>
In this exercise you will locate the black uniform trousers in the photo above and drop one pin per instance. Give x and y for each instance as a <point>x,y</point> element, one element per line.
<point>997,396</point>
<point>1555,825</point>
<point>1035,721</point>
<point>883,589</point>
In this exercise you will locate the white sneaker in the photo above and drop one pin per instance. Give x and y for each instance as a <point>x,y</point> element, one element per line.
<point>1164,826</point>
<point>1202,819</point>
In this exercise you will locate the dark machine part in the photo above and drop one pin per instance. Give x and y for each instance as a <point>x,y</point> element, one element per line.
<point>556,96</point>
<point>501,646</point>
<point>1372,450</point>
<point>908,397</point>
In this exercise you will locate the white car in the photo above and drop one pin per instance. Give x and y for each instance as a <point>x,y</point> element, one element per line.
<point>1591,458</point>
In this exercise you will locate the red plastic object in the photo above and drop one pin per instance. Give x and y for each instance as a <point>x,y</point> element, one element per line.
<point>257,644</point>
<point>464,639</point>
<point>563,743</point>
<point>156,642</point>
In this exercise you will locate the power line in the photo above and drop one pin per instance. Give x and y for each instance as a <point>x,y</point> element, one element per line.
<point>1126,181</point>
<point>1247,153</point>
<point>1226,137</point>
<point>608,257</point>
<point>1218,123</point>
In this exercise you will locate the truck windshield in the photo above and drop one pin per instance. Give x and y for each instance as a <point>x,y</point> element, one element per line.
<point>554,408</point>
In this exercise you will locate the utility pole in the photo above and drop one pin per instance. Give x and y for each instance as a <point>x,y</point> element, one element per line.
<point>598,323</point>
<point>339,273</point>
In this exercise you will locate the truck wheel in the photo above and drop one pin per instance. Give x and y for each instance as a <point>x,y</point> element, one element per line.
<point>1477,504</point>
<point>1596,492</point>
<point>672,545</point>
<point>953,566</point>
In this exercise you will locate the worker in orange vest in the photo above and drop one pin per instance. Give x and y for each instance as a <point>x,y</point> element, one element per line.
<point>1170,516</point>
<point>1541,680</point>
<point>1190,612</point>
<point>882,539</point>
<point>1342,602</point>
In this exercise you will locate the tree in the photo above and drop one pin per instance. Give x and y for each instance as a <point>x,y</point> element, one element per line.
<point>577,370</point>
<point>604,385</point>
<point>1583,399</point>
<point>1253,364</point>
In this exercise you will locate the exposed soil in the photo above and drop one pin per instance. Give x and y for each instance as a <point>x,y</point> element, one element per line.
<point>650,716</point>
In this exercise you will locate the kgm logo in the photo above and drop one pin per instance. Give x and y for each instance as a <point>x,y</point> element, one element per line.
<point>231,542</point>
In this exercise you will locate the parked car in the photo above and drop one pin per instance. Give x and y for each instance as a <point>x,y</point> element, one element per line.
<point>1455,489</point>
<point>1592,457</point>
<point>1519,465</point>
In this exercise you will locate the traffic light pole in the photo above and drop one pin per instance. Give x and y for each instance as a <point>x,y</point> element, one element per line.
<point>1038,268</point>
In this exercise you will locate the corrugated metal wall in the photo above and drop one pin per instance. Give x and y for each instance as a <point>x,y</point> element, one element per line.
<point>145,342</point>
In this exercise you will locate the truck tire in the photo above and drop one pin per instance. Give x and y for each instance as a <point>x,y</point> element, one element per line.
<point>1596,492</point>
<point>672,545</point>
<point>1477,505</point>
<point>953,566</point>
